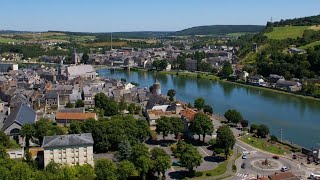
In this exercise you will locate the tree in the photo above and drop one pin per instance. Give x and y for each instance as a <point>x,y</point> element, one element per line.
<point>253,128</point>
<point>161,160</point>
<point>273,138</point>
<point>171,93</point>
<point>244,123</point>
<point>75,128</point>
<point>262,131</point>
<point>126,169</point>
<point>163,126</point>
<point>42,128</point>
<point>177,126</point>
<point>199,103</point>
<point>84,171</point>
<point>225,139</point>
<point>233,116</point>
<point>3,153</point>
<point>190,157</point>
<point>144,164</point>
<point>69,105</point>
<point>201,125</point>
<point>27,131</point>
<point>227,70</point>
<point>4,140</point>
<point>131,108</point>
<point>85,58</point>
<point>125,150</point>
<point>139,150</point>
<point>21,171</point>
<point>208,109</point>
<point>109,106</point>
<point>106,169</point>
<point>79,103</point>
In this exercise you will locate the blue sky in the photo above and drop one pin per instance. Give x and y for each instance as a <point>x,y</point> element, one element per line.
<point>138,15</point>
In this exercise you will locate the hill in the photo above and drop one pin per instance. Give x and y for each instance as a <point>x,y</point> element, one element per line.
<point>304,21</point>
<point>220,30</point>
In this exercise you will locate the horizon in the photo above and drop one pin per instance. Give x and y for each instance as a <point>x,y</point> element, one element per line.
<point>143,15</point>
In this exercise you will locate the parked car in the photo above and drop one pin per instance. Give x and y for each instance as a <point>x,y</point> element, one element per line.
<point>284,169</point>
<point>275,157</point>
<point>294,156</point>
<point>176,163</point>
<point>243,165</point>
<point>244,156</point>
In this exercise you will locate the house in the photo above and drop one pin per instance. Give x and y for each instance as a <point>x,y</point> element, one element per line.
<point>191,65</point>
<point>256,80</point>
<point>290,86</point>
<point>273,78</point>
<point>69,149</point>
<point>6,67</point>
<point>15,153</point>
<point>283,176</point>
<point>65,118</point>
<point>294,50</point>
<point>19,115</point>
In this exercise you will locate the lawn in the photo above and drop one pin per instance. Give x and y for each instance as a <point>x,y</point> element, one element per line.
<point>263,145</point>
<point>280,33</point>
<point>311,45</point>
<point>6,40</point>
<point>201,75</point>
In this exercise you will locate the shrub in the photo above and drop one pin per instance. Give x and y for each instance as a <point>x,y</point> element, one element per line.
<point>212,142</point>
<point>218,150</point>
<point>208,174</point>
<point>234,168</point>
<point>198,174</point>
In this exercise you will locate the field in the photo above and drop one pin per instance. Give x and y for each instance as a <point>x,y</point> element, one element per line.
<point>102,44</point>
<point>8,39</point>
<point>148,41</point>
<point>236,34</point>
<point>263,145</point>
<point>311,45</point>
<point>280,33</point>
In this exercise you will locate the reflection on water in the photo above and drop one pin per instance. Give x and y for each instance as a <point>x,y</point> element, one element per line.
<point>294,115</point>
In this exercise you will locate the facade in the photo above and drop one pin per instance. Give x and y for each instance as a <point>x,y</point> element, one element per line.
<point>69,149</point>
<point>5,67</point>
<point>86,71</point>
<point>15,153</point>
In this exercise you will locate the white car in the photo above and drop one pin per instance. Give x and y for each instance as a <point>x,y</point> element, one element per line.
<point>244,156</point>
<point>284,169</point>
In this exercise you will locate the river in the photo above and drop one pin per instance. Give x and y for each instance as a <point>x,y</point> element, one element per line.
<point>299,118</point>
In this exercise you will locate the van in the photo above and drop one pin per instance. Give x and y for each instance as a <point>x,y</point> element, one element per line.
<point>314,176</point>
<point>284,169</point>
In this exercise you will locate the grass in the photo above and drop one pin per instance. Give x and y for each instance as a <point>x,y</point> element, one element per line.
<point>311,45</point>
<point>263,145</point>
<point>6,40</point>
<point>238,34</point>
<point>201,75</point>
<point>102,44</point>
<point>280,33</point>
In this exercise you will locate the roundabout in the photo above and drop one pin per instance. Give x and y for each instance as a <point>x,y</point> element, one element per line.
<point>267,164</point>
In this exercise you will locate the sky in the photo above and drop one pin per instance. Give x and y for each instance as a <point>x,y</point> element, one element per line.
<point>145,15</point>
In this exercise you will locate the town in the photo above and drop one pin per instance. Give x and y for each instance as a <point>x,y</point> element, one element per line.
<point>214,102</point>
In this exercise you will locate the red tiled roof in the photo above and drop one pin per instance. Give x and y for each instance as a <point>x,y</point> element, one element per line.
<point>188,114</point>
<point>284,176</point>
<point>74,116</point>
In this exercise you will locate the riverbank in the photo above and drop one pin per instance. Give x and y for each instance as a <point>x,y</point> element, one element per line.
<point>208,76</point>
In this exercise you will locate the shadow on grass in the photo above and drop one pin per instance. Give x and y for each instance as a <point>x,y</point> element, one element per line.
<point>217,159</point>
<point>180,174</point>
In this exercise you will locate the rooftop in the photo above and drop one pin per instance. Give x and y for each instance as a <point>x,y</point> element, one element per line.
<point>67,140</point>
<point>75,115</point>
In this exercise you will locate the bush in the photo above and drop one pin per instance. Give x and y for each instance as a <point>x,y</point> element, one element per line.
<point>218,150</point>
<point>212,142</point>
<point>198,174</point>
<point>208,174</point>
<point>234,168</point>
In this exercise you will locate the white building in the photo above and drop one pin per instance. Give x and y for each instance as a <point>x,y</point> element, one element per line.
<point>69,149</point>
<point>86,71</point>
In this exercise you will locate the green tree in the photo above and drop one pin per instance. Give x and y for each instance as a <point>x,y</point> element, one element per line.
<point>132,108</point>
<point>85,58</point>
<point>75,128</point>
<point>27,131</point>
<point>161,160</point>
<point>79,103</point>
<point>225,139</point>
<point>84,171</point>
<point>106,169</point>
<point>262,131</point>
<point>69,105</point>
<point>227,70</point>
<point>144,164</point>
<point>42,128</point>
<point>244,123</point>
<point>233,116</point>
<point>190,157</point>
<point>201,125</point>
<point>21,171</point>
<point>4,140</point>
<point>208,109</point>
<point>253,128</point>
<point>126,169</point>
<point>177,126</point>
<point>171,93</point>
<point>143,130</point>
<point>3,153</point>
<point>139,150</point>
<point>199,103</point>
<point>125,150</point>
<point>163,126</point>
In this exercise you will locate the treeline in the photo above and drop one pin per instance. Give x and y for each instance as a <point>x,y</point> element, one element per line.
<point>219,30</point>
<point>305,21</point>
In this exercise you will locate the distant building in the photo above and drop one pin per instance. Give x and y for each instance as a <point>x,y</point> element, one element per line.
<point>86,71</point>
<point>69,149</point>
<point>6,67</point>
<point>290,86</point>
<point>156,88</point>
<point>191,65</point>
<point>294,50</point>
<point>257,80</point>
<point>15,153</point>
